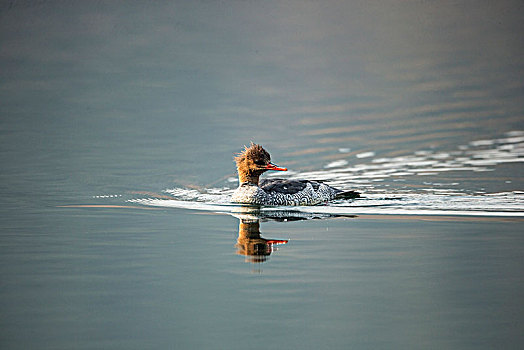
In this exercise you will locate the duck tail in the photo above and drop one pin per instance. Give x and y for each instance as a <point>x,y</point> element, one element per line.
<point>347,195</point>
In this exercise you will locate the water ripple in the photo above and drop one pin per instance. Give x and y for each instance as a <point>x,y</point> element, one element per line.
<point>404,203</point>
<point>477,156</point>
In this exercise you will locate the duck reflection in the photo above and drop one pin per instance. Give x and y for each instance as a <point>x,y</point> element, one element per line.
<point>251,244</point>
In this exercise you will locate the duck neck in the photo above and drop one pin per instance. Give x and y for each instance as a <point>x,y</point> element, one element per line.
<point>247,177</point>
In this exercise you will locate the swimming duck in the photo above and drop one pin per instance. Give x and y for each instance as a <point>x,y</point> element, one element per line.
<point>255,160</point>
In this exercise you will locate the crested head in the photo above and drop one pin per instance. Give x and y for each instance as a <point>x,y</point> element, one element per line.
<point>252,162</point>
<point>255,154</point>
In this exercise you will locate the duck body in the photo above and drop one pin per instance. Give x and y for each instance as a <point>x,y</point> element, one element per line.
<point>285,192</point>
<point>254,161</point>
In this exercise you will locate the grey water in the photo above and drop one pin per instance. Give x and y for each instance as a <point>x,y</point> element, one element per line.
<point>118,125</point>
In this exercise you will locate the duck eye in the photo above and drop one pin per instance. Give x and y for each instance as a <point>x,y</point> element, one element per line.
<point>260,162</point>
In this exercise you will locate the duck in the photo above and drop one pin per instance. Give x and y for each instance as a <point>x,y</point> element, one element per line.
<point>254,160</point>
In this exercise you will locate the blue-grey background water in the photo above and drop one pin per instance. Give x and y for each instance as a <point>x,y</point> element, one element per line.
<point>118,124</point>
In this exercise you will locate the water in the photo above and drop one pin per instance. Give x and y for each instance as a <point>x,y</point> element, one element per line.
<point>119,122</point>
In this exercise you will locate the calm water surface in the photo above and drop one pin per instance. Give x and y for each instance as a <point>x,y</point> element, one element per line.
<point>118,124</point>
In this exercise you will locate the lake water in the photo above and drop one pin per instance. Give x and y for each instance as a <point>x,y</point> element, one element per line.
<point>118,125</point>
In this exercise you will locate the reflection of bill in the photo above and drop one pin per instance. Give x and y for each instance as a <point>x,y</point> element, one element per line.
<point>250,244</point>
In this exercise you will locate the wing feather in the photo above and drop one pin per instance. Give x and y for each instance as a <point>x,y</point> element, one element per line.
<point>286,186</point>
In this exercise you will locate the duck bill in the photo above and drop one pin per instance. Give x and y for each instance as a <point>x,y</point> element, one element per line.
<point>272,166</point>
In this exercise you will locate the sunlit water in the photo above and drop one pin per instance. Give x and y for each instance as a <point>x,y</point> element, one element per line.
<point>118,125</point>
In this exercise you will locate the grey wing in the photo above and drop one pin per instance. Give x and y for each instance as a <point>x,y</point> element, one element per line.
<point>286,186</point>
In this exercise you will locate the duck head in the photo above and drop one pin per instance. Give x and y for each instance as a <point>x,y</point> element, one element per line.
<point>253,162</point>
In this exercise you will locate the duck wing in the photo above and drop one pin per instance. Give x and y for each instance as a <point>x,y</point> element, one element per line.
<point>286,186</point>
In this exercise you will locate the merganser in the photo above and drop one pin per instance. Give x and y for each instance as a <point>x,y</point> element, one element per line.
<point>255,160</point>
